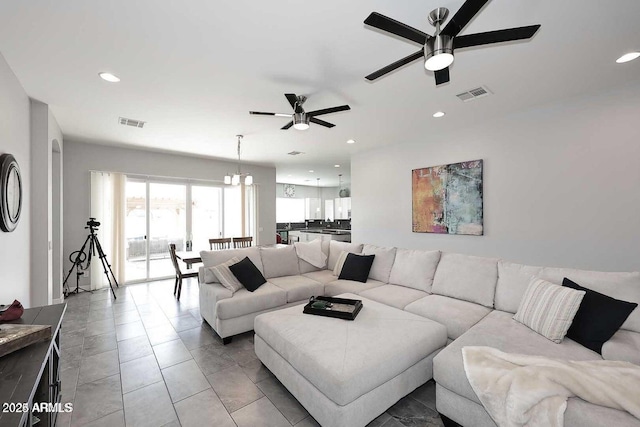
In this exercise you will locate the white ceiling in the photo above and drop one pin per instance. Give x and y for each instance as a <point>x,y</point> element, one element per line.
<point>193,70</point>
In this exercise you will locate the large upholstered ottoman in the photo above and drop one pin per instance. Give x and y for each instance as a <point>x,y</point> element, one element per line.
<point>346,373</point>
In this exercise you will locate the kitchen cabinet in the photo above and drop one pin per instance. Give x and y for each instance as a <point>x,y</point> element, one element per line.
<point>312,208</point>
<point>342,208</point>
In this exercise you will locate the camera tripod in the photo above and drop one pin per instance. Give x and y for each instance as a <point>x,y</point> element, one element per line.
<point>78,258</point>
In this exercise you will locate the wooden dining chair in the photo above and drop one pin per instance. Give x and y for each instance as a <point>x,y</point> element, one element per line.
<point>179,274</point>
<point>217,244</point>
<point>242,242</point>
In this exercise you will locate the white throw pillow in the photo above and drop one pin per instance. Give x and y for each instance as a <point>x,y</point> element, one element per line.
<point>312,253</point>
<point>548,309</point>
<point>382,263</point>
<point>225,276</point>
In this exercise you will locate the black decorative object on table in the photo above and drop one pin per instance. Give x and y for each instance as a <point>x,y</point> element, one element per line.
<point>78,258</point>
<point>341,308</point>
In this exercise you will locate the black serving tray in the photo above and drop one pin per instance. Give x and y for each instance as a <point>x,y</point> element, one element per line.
<point>334,313</point>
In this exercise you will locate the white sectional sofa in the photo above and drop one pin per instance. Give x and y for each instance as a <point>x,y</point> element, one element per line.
<point>473,297</point>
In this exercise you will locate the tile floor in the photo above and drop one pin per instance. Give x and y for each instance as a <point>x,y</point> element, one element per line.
<point>147,359</point>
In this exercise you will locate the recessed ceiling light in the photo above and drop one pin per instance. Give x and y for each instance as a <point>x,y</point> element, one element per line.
<point>628,57</point>
<point>109,77</point>
<point>438,114</point>
<point>310,170</point>
<point>336,166</point>
<point>351,141</point>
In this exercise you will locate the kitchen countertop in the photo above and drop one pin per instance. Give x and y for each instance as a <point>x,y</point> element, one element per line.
<point>335,232</point>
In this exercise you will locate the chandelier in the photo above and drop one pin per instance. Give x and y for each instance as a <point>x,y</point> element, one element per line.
<point>234,179</point>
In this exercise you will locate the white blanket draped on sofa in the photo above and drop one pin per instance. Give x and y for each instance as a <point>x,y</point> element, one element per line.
<point>521,390</point>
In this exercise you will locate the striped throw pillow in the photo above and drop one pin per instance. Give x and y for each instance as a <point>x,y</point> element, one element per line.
<point>340,263</point>
<point>226,277</point>
<point>548,309</point>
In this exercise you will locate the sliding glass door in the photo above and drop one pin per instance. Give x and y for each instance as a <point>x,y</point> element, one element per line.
<point>135,228</point>
<point>206,215</point>
<point>167,224</point>
<point>162,212</point>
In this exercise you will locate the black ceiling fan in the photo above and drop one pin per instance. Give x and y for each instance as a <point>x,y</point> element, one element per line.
<point>438,49</point>
<point>300,118</point>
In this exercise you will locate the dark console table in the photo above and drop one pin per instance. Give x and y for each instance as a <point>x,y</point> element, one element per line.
<point>32,374</point>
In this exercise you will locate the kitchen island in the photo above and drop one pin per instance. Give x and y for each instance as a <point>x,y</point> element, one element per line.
<point>307,235</point>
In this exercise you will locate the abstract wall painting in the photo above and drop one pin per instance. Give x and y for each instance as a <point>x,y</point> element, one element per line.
<point>447,199</point>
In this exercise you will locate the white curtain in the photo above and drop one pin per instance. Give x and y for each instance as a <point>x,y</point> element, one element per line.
<point>108,207</point>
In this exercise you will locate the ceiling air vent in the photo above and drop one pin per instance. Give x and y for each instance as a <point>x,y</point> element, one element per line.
<point>472,94</point>
<point>295,153</point>
<point>131,122</point>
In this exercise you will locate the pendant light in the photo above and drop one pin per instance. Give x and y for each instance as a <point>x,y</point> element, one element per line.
<point>238,176</point>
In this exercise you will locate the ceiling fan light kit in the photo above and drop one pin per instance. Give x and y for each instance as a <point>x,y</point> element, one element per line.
<point>438,50</point>
<point>300,121</point>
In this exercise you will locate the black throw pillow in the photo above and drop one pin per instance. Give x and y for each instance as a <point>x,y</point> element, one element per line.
<point>598,318</point>
<point>248,274</point>
<point>356,267</point>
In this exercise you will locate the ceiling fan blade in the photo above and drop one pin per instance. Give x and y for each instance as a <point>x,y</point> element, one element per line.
<point>467,11</point>
<point>389,68</point>
<point>394,27</point>
<point>442,76</point>
<point>292,98</point>
<point>321,122</point>
<point>262,113</point>
<point>287,126</point>
<point>497,36</point>
<point>328,110</point>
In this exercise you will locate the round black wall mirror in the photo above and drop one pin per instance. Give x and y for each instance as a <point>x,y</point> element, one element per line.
<point>10,193</point>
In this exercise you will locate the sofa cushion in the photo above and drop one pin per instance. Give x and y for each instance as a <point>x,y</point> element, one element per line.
<point>623,286</point>
<point>414,269</point>
<point>213,258</point>
<point>466,277</point>
<point>513,280</point>
<point>598,317</point>
<point>336,247</point>
<point>393,295</point>
<point>244,302</point>
<point>304,266</point>
<point>279,261</point>
<point>500,331</point>
<point>623,345</point>
<point>341,286</point>
<point>382,263</point>
<point>298,288</point>
<point>322,276</point>
<point>248,274</point>
<point>548,308</point>
<point>457,315</point>
<point>356,267</point>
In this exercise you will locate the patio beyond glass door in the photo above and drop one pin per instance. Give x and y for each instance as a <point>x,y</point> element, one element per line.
<point>167,224</point>
<point>206,215</point>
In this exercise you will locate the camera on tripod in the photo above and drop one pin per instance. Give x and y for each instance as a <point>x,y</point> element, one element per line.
<point>92,223</point>
<point>81,260</point>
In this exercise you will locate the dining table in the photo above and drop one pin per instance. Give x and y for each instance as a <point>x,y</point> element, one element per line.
<point>192,257</point>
